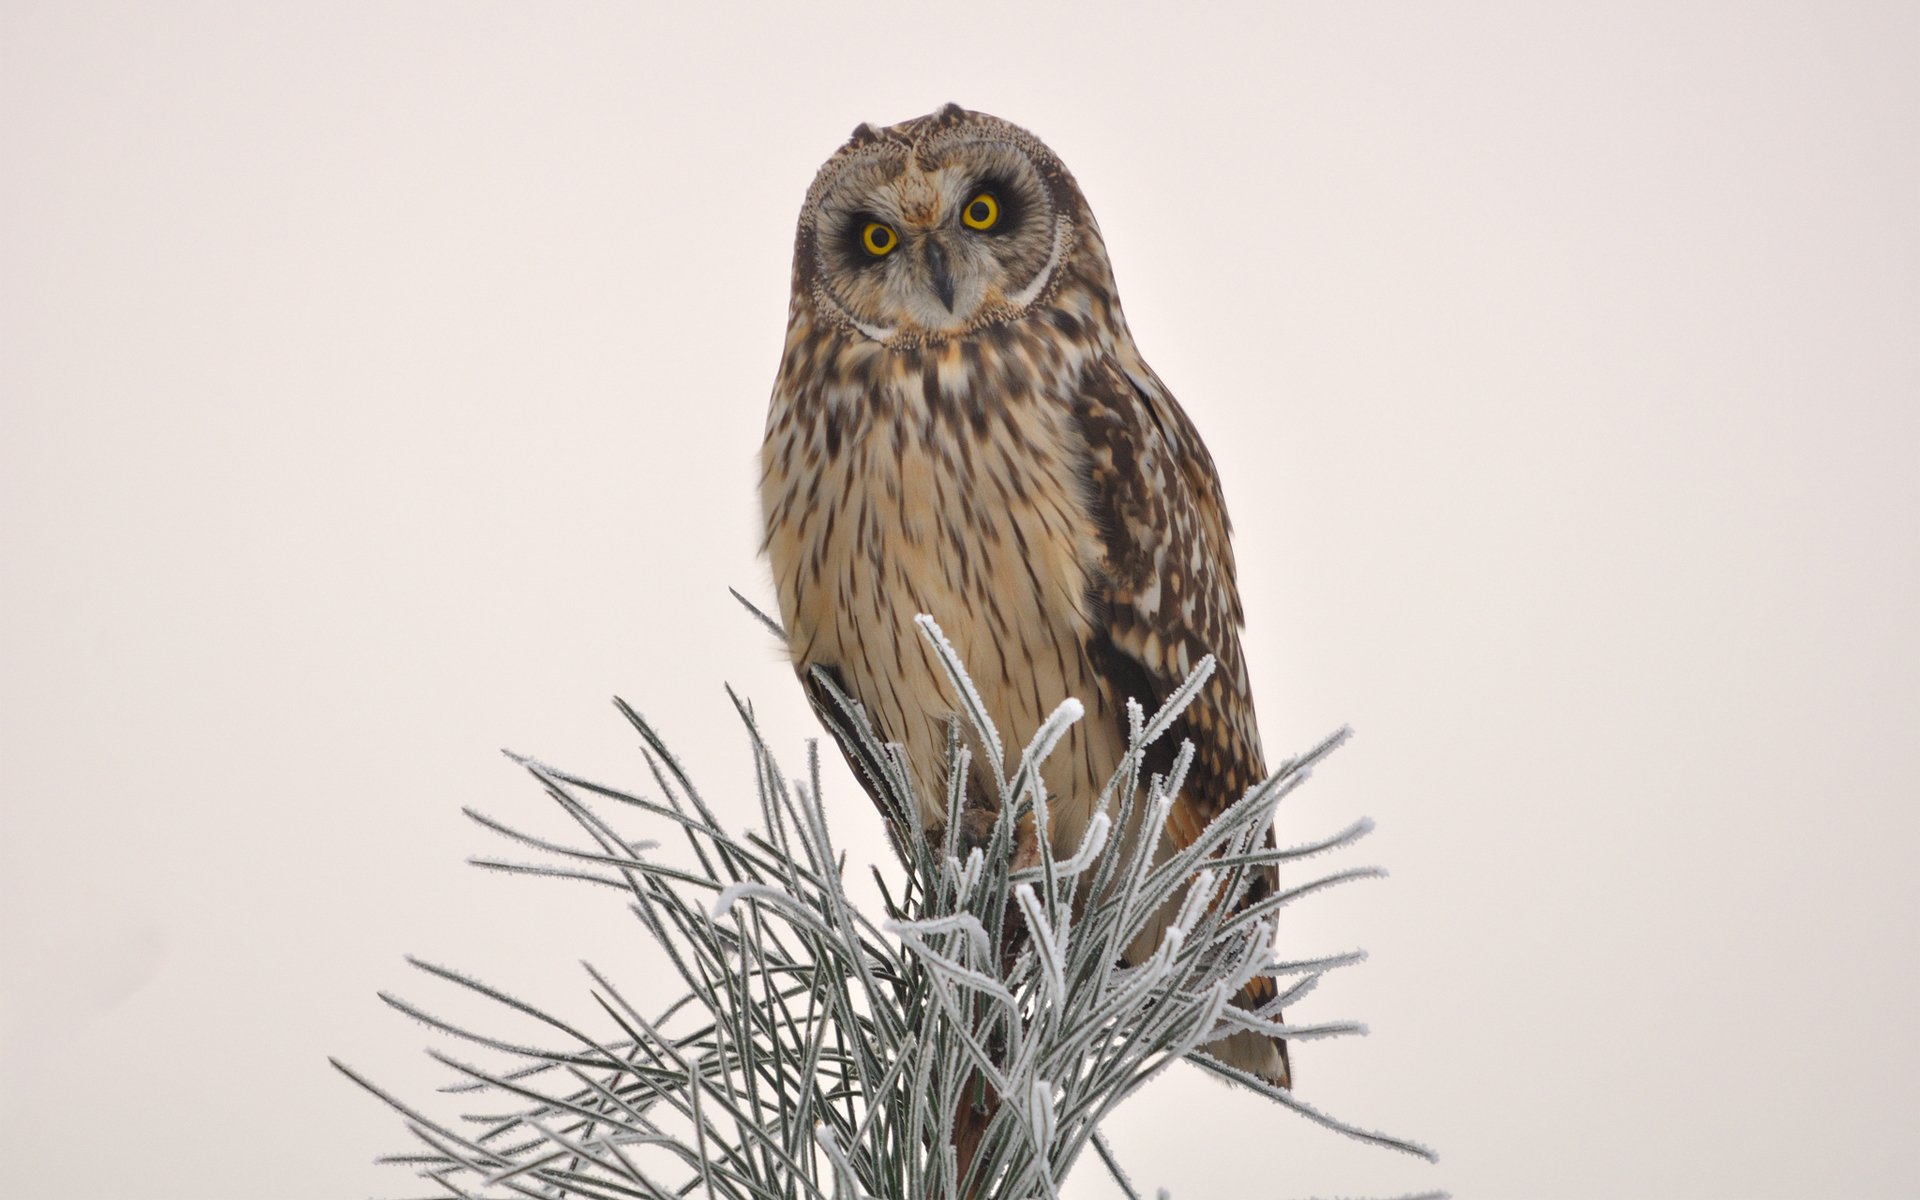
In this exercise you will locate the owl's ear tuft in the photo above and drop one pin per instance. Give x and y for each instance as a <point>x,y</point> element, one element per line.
<point>864,134</point>
<point>952,114</point>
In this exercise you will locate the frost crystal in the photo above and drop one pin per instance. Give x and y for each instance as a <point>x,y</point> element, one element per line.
<point>820,1053</point>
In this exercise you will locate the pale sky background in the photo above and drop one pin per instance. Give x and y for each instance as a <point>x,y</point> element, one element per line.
<point>381,385</point>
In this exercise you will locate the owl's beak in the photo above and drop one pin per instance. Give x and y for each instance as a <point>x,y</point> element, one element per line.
<point>936,260</point>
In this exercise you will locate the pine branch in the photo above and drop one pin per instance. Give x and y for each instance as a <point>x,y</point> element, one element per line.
<point>820,1053</point>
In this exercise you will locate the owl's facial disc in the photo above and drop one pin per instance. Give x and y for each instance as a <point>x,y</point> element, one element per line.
<point>920,242</point>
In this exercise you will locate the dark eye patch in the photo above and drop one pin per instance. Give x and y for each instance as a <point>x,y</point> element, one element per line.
<point>851,246</point>
<point>1013,205</point>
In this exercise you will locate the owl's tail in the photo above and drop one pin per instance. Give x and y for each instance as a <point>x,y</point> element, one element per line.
<point>1256,1053</point>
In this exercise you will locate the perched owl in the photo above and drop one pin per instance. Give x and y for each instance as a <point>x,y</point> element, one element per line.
<point>962,426</point>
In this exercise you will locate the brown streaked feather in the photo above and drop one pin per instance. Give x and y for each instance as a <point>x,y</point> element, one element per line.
<point>1166,584</point>
<point>1169,595</point>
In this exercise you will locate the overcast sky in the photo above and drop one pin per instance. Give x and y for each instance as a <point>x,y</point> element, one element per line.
<point>381,385</point>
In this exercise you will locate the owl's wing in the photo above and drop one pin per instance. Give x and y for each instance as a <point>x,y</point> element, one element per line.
<point>1167,594</point>
<point>1166,588</point>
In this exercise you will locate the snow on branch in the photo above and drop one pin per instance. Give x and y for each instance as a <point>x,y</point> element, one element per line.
<point>818,1051</point>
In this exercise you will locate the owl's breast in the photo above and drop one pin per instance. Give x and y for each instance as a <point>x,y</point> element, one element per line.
<point>925,494</point>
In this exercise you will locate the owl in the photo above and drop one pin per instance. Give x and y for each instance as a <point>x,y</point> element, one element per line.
<point>962,426</point>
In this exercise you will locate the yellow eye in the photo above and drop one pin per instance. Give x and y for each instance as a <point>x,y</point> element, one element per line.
<point>878,239</point>
<point>981,212</point>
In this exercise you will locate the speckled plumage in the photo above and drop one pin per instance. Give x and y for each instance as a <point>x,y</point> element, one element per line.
<point>964,427</point>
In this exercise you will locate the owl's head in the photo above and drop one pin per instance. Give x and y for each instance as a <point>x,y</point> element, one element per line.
<point>935,226</point>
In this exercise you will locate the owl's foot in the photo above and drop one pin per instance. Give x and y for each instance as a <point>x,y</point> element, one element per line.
<point>976,831</point>
<point>1026,845</point>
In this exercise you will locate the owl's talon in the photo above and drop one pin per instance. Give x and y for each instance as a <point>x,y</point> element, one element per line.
<point>976,831</point>
<point>1026,847</point>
